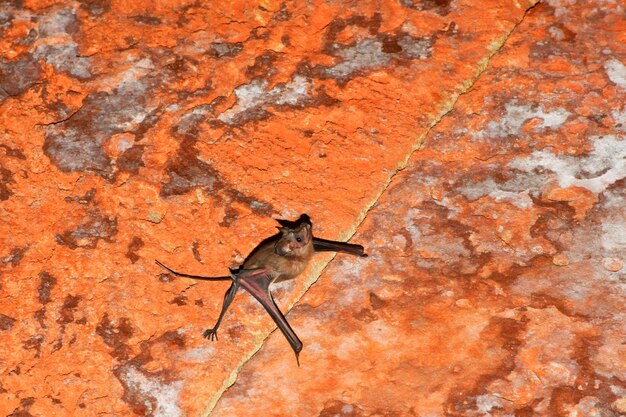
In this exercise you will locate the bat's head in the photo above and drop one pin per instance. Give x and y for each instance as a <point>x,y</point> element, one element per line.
<point>294,242</point>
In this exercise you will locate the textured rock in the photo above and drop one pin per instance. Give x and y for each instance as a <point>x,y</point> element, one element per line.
<point>495,282</point>
<point>178,130</point>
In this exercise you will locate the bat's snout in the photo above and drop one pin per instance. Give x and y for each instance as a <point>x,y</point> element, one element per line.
<point>283,250</point>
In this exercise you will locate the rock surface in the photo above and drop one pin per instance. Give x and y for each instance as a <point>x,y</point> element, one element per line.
<point>131,131</point>
<point>495,282</point>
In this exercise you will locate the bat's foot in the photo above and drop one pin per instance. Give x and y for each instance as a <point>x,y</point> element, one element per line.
<point>210,334</point>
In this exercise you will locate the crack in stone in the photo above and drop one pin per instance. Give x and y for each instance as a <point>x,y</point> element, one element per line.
<point>447,107</point>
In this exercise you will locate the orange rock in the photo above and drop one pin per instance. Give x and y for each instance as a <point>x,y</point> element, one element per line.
<point>581,199</point>
<point>171,130</point>
<point>560,259</point>
<point>476,216</point>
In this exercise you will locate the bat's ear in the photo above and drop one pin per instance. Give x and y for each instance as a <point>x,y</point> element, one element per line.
<point>282,229</point>
<point>306,228</point>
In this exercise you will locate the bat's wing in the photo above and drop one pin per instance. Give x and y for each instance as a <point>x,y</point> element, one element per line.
<point>257,282</point>
<point>323,245</point>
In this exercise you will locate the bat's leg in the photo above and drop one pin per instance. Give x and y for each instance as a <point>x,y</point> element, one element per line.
<point>323,245</point>
<point>257,283</point>
<point>211,334</point>
<point>180,274</point>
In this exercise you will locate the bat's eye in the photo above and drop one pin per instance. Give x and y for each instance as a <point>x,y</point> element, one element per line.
<point>298,239</point>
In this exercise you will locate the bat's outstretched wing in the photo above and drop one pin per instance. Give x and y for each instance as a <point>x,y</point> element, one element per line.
<point>257,282</point>
<point>323,245</point>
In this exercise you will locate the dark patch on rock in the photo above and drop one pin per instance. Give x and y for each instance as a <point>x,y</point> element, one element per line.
<point>18,76</point>
<point>29,39</point>
<point>47,282</point>
<point>553,224</point>
<point>131,160</point>
<point>177,66</point>
<point>376,302</point>
<point>180,300</point>
<point>263,65</point>
<point>174,338</point>
<point>283,14</point>
<point>6,18</point>
<point>76,144</point>
<point>236,331</point>
<point>186,171</point>
<point>338,25</point>
<point>564,399</point>
<point>529,409</point>
<point>260,32</point>
<point>147,20</point>
<point>56,108</point>
<point>541,300</point>
<point>585,348</point>
<point>180,65</point>
<point>365,315</point>
<point>68,309</point>
<point>6,178</point>
<point>15,256</point>
<point>135,244</point>
<point>34,343</point>
<point>13,152</point>
<point>196,253</point>
<point>116,337</point>
<point>6,322</point>
<point>96,7</point>
<point>441,7</point>
<point>337,408</point>
<point>40,316</point>
<point>390,45</point>
<point>22,411</point>
<point>88,198</point>
<point>189,125</point>
<point>92,229</point>
<point>67,316</point>
<point>225,49</point>
<point>462,400</point>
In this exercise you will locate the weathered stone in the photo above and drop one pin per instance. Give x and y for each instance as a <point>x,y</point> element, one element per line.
<point>498,253</point>
<point>134,131</point>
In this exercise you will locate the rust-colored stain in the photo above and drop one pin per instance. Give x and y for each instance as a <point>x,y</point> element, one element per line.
<point>493,215</point>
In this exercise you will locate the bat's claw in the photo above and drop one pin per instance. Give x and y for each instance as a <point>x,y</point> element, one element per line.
<point>210,334</point>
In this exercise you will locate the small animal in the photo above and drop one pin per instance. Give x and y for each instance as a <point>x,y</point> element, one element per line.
<point>279,258</point>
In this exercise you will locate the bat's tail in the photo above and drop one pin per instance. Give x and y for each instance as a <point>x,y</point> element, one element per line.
<point>200,277</point>
<point>323,245</point>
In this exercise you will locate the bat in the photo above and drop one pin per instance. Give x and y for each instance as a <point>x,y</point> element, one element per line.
<point>280,258</point>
